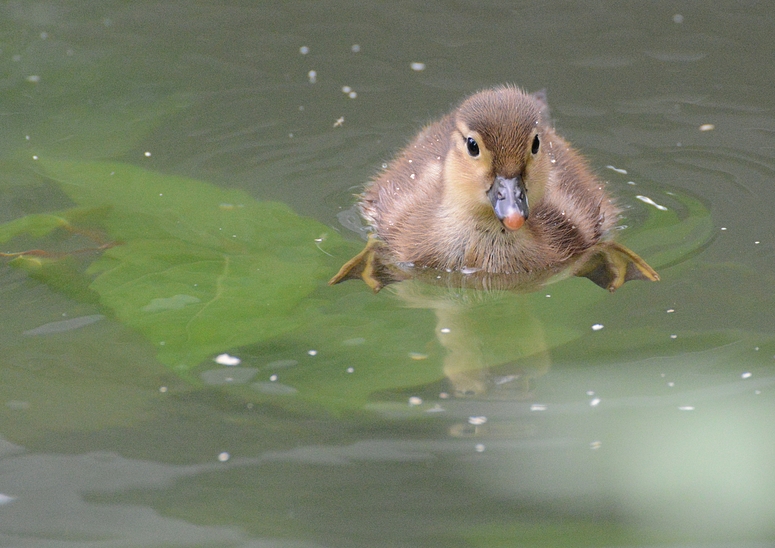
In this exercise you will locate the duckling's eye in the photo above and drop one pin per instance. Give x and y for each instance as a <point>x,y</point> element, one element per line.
<point>473,147</point>
<point>536,144</point>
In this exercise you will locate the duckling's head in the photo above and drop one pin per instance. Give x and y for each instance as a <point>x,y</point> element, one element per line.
<point>497,164</point>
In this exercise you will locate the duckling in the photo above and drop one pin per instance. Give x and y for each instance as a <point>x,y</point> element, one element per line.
<point>492,188</point>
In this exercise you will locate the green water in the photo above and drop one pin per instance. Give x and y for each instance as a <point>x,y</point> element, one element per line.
<point>184,175</point>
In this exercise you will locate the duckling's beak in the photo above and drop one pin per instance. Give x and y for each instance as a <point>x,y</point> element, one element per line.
<point>509,201</point>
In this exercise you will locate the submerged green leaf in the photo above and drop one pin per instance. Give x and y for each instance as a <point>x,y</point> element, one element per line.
<point>37,226</point>
<point>196,268</point>
<point>672,234</point>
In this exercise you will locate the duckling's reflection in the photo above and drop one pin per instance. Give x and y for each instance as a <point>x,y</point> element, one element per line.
<point>480,356</point>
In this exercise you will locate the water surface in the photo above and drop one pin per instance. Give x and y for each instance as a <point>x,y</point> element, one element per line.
<point>415,417</point>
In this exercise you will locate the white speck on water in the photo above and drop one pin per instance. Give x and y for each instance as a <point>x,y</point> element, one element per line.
<point>312,76</point>
<point>595,445</point>
<point>417,66</point>
<point>548,296</point>
<point>590,392</point>
<point>686,408</point>
<point>617,170</point>
<point>227,359</point>
<point>355,48</point>
<point>34,156</point>
<point>756,242</point>
<point>312,352</point>
<point>538,407</point>
<point>678,18</point>
<point>597,327</point>
<point>707,127</point>
<point>34,78</point>
<point>670,310</point>
<point>673,337</point>
<point>352,95</point>
<point>723,228</point>
<point>746,375</point>
<point>595,402</point>
<point>346,89</point>
<point>304,50</point>
<point>43,35</point>
<point>273,378</point>
<point>445,329</point>
<point>671,384</point>
<point>351,370</point>
<point>479,448</point>
<point>477,421</point>
<point>632,183</point>
<point>223,456</point>
<point>649,201</point>
<point>5,499</point>
<point>443,395</point>
<point>415,401</point>
<point>163,389</point>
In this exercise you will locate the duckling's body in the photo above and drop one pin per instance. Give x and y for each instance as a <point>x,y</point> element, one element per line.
<point>489,187</point>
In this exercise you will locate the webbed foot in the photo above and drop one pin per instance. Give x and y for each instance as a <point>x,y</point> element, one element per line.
<point>610,265</point>
<point>367,266</point>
